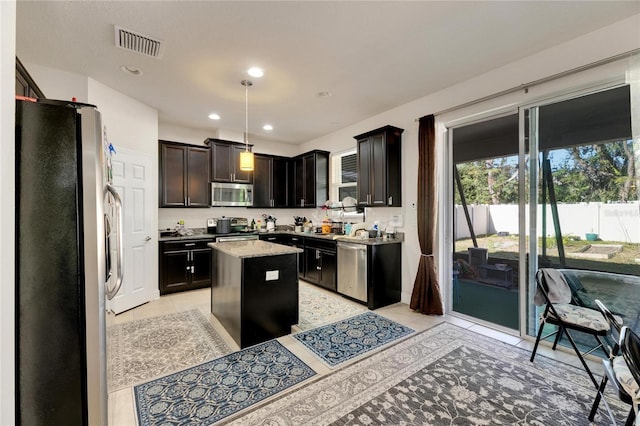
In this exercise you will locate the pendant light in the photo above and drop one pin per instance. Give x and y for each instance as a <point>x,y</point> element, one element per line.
<point>246,157</point>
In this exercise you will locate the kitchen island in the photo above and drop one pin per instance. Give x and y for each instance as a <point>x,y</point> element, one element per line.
<point>254,289</point>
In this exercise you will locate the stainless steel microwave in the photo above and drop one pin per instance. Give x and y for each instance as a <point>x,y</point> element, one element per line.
<point>231,194</point>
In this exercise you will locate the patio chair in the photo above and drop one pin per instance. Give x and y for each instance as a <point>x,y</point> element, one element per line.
<point>562,311</point>
<point>623,371</point>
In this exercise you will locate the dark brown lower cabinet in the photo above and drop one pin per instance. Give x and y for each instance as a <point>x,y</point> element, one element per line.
<point>184,265</point>
<point>321,259</point>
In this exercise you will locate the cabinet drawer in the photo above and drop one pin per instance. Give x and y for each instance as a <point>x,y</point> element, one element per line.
<point>318,244</point>
<point>185,245</point>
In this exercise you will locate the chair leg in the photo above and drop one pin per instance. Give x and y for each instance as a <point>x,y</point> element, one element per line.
<point>596,401</point>
<point>630,418</point>
<point>558,336</point>
<point>535,346</point>
<point>584,363</point>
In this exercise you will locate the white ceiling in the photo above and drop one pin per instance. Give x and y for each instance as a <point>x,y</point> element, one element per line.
<point>372,56</point>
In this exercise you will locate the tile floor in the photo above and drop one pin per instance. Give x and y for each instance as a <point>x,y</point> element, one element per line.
<point>121,406</point>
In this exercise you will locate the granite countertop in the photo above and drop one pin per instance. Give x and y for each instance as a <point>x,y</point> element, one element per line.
<point>335,237</point>
<point>253,248</point>
<point>192,234</point>
<point>201,233</point>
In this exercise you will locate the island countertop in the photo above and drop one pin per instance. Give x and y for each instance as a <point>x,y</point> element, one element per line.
<point>253,248</point>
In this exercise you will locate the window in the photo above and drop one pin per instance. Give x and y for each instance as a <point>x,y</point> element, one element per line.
<point>344,175</point>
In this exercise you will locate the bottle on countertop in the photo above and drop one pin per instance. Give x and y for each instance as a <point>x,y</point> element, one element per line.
<point>253,224</point>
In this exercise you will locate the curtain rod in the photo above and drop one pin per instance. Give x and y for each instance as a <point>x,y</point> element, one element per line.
<point>525,86</point>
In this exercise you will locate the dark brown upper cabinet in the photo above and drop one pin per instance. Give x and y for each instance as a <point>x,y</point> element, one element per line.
<point>25,86</point>
<point>270,181</point>
<point>379,167</point>
<point>184,175</point>
<point>310,179</point>
<point>225,161</point>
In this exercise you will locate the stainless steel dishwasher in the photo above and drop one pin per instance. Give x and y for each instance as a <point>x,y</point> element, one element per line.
<point>352,270</point>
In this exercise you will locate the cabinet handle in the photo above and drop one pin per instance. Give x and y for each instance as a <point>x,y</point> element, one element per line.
<point>391,200</point>
<point>185,201</point>
<point>302,202</point>
<point>193,269</point>
<point>189,244</point>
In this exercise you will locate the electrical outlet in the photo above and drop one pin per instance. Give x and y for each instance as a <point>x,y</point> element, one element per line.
<point>396,220</point>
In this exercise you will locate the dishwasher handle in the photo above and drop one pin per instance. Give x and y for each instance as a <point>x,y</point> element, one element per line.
<point>352,246</point>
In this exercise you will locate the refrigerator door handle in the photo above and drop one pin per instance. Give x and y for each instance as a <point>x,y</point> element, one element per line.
<point>107,244</point>
<point>119,244</point>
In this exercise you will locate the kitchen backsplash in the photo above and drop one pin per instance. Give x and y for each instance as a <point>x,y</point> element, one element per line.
<point>197,218</point>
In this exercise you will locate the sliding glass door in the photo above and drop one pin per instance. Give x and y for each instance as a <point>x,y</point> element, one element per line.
<point>584,169</point>
<point>486,208</point>
<point>556,185</point>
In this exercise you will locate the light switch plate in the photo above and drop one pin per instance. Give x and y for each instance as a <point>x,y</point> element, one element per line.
<point>272,275</point>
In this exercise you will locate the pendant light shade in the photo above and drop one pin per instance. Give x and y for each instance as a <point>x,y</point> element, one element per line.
<point>246,157</point>
<point>246,161</point>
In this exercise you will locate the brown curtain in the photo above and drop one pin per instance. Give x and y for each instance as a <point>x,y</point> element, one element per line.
<point>426,296</point>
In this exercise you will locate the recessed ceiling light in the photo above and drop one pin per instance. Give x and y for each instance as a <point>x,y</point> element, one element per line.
<point>323,94</point>
<point>255,72</point>
<point>128,69</point>
<point>214,116</point>
<point>268,127</point>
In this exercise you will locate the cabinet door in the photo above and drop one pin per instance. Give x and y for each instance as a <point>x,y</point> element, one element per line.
<point>378,178</point>
<point>328,270</point>
<point>298,242</point>
<point>221,165</point>
<point>280,187</point>
<point>364,171</point>
<point>176,271</point>
<point>298,182</point>
<point>201,267</point>
<point>309,180</point>
<point>312,267</point>
<point>239,176</point>
<point>198,192</point>
<point>263,169</point>
<point>173,185</point>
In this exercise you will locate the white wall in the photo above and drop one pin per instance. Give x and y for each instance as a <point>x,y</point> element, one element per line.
<point>7,212</point>
<point>177,133</point>
<point>58,84</point>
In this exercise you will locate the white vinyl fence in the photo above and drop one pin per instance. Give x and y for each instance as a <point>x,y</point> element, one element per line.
<point>611,222</point>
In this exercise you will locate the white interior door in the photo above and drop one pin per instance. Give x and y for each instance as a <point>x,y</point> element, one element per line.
<point>132,179</point>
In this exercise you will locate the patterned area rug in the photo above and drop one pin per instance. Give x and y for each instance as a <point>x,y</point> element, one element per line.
<point>152,347</point>
<point>343,340</point>
<point>205,394</point>
<point>318,307</point>
<point>443,376</point>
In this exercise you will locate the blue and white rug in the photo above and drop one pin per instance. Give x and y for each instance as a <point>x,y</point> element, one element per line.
<point>343,340</point>
<point>209,392</point>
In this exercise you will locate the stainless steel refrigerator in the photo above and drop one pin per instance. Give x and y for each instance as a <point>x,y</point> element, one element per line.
<point>68,220</point>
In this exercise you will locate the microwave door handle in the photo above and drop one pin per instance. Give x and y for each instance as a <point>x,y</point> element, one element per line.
<point>119,243</point>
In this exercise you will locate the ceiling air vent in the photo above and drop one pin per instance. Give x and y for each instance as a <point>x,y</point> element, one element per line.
<point>138,43</point>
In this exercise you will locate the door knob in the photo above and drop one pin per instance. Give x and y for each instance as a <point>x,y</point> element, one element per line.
<point>147,239</point>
